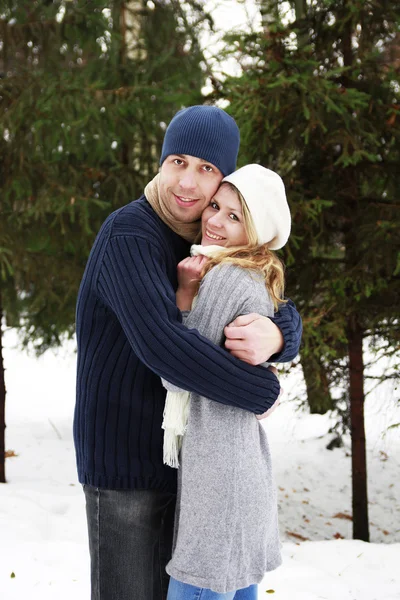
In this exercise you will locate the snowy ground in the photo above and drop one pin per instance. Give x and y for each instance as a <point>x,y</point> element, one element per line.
<point>43,544</point>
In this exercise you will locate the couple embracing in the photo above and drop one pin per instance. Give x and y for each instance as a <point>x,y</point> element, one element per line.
<point>180,308</point>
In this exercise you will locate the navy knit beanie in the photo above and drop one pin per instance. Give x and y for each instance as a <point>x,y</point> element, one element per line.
<point>206,132</point>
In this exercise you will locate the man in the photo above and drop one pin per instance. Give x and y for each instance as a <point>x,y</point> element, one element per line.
<point>130,334</point>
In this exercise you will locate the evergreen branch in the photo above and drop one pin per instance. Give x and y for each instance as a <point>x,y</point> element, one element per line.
<point>51,23</point>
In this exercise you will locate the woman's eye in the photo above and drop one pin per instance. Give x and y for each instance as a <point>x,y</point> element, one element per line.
<point>233,217</point>
<point>214,205</point>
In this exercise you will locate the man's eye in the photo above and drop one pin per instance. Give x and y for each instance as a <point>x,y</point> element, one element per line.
<point>178,161</point>
<point>208,168</point>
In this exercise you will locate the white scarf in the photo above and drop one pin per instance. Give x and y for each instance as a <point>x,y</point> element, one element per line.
<point>176,410</point>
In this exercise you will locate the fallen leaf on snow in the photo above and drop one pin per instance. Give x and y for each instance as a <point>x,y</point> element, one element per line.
<point>10,453</point>
<point>298,536</point>
<point>342,516</point>
<point>338,536</point>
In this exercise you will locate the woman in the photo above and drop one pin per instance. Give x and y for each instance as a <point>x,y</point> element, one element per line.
<point>226,529</point>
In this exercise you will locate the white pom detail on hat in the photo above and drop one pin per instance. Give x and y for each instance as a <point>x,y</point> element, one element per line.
<point>264,193</point>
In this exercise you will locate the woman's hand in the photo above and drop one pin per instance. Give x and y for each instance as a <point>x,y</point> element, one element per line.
<point>189,277</point>
<point>189,272</point>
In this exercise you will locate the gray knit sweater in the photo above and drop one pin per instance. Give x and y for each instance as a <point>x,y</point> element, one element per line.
<point>226,527</point>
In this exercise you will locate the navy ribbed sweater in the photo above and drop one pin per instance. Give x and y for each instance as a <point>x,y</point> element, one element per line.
<point>129,334</point>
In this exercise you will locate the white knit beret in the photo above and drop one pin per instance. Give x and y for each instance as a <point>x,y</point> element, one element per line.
<point>264,193</point>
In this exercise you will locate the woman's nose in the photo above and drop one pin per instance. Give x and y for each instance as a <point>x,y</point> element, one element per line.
<point>216,221</point>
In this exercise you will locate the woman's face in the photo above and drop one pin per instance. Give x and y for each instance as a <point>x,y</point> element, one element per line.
<point>222,221</point>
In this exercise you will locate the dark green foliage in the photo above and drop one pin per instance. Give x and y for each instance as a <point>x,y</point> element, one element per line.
<point>319,101</point>
<point>86,90</point>
<point>85,97</point>
<point>325,115</point>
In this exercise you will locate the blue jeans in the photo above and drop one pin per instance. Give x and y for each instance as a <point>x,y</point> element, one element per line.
<point>182,591</point>
<point>130,542</point>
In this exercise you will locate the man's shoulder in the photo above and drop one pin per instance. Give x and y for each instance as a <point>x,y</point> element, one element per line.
<point>136,218</point>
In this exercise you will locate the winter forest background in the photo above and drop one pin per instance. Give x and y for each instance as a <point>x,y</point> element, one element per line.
<point>86,91</point>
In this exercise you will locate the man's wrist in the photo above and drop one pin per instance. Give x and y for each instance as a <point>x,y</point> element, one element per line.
<point>279,341</point>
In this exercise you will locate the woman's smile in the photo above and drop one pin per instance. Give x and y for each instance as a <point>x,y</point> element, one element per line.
<point>222,220</point>
<point>213,236</point>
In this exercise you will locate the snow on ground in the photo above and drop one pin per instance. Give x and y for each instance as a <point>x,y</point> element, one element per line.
<point>314,484</point>
<point>43,540</point>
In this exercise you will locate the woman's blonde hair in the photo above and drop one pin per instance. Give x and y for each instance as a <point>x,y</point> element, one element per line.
<point>255,256</point>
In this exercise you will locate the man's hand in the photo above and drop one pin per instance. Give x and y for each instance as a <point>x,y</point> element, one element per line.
<point>253,338</point>
<point>277,401</point>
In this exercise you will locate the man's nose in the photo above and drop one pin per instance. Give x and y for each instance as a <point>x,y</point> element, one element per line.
<point>188,180</point>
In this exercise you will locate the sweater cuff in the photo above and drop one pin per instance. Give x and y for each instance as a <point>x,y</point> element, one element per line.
<point>290,341</point>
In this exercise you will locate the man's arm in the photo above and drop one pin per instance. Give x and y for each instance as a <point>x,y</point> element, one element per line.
<point>257,339</point>
<point>132,281</point>
<point>289,322</point>
<point>251,337</point>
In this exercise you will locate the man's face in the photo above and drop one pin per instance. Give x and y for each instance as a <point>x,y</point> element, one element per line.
<point>187,185</point>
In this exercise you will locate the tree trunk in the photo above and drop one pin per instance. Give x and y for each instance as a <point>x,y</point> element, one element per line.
<point>300,11</point>
<point>2,406</point>
<point>359,460</point>
<point>132,14</point>
<point>355,339</point>
<point>318,394</point>
<point>269,11</point>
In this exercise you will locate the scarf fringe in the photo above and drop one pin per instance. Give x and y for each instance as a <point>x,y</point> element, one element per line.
<point>175,418</point>
<point>176,409</point>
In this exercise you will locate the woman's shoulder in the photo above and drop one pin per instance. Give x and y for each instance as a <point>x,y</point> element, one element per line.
<point>247,285</point>
<point>236,286</point>
<point>231,271</point>
<point>234,278</point>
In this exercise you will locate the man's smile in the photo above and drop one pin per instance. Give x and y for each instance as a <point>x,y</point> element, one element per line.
<point>183,201</point>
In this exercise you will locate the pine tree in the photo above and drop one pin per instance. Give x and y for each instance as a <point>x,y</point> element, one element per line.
<point>86,90</point>
<point>318,101</point>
